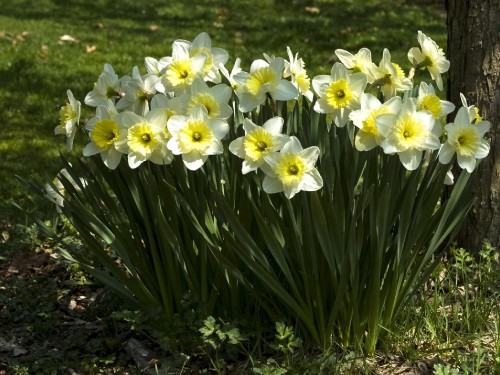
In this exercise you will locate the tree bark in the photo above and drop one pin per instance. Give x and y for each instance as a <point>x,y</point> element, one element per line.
<point>474,54</point>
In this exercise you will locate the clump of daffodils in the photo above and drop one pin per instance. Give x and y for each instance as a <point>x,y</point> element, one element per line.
<point>182,107</point>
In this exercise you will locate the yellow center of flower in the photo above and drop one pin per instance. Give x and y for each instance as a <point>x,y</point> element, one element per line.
<point>195,136</point>
<point>206,100</point>
<point>66,114</point>
<point>338,94</point>
<point>431,103</point>
<point>478,117</point>
<point>303,81</point>
<point>369,124</point>
<point>468,141</point>
<point>142,140</point>
<point>105,133</point>
<point>290,169</point>
<point>259,78</point>
<point>180,73</point>
<point>400,72</point>
<point>257,144</point>
<point>410,133</point>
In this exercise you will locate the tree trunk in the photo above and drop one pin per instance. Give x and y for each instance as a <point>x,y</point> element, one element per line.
<point>474,54</point>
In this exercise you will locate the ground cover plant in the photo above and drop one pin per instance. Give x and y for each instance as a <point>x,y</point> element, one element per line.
<point>215,335</point>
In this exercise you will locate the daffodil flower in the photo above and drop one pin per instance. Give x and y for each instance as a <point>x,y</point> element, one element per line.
<point>295,68</point>
<point>57,192</point>
<point>472,109</point>
<point>104,131</point>
<point>137,93</point>
<point>466,140</point>
<point>196,136</point>
<point>230,75</point>
<point>390,77</point>
<point>429,56</point>
<point>264,78</point>
<point>107,89</point>
<point>368,135</point>
<point>292,170</point>
<point>215,57</point>
<point>258,142</point>
<point>182,68</point>
<point>144,138</point>
<point>69,117</point>
<point>427,100</point>
<point>361,62</point>
<point>339,93</point>
<point>408,134</point>
<point>214,99</point>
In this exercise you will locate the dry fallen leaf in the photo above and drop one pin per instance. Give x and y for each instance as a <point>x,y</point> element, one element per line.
<point>312,10</point>
<point>91,48</point>
<point>68,38</point>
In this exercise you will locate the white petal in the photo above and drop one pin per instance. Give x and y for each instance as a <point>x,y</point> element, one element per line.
<point>466,162</point>
<point>272,185</point>
<point>219,127</point>
<point>446,153</point>
<point>237,148</point>
<point>410,159</point>
<point>483,150</point>
<point>250,165</point>
<point>274,125</point>
<point>365,141</point>
<point>134,160</point>
<point>176,123</point>
<point>193,160</point>
<point>284,90</point>
<point>385,123</point>
<point>312,181</point>
<point>320,84</point>
<point>310,155</point>
<point>91,149</point>
<point>111,158</point>
<point>215,148</point>
<point>293,146</point>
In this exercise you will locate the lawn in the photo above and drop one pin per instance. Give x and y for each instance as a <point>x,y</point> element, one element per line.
<point>56,319</point>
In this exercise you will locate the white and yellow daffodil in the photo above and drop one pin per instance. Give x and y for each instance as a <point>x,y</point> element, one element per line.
<point>69,117</point>
<point>258,142</point>
<point>466,140</point>
<point>196,136</point>
<point>368,135</point>
<point>339,93</point>
<point>429,56</point>
<point>292,170</point>
<point>144,138</point>
<point>408,134</point>
<point>264,78</point>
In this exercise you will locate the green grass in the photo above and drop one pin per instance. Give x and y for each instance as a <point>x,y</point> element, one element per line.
<point>36,68</point>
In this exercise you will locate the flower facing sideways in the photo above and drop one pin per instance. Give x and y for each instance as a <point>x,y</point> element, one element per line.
<point>258,142</point>
<point>429,56</point>
<point>196,137</point>
<point>292,170</point>
<point>104,131</point>
<point>57,192</point>
<point>69,116</point>
<point>466,140</point>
